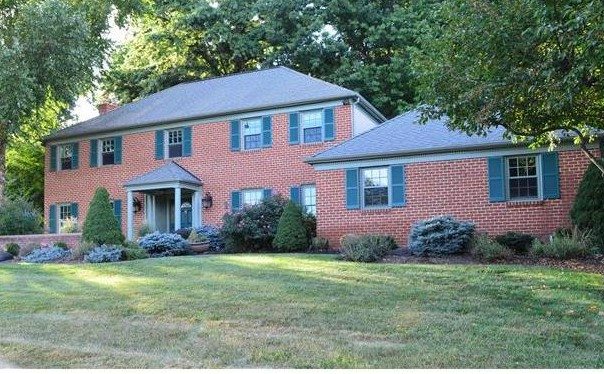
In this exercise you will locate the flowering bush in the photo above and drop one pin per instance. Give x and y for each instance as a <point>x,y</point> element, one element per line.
<point>162,244</point>
<point>213,235</point>
<point>47,254</point>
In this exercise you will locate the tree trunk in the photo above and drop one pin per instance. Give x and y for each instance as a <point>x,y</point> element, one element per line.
<point>3,144</point>
<point>596,161</point>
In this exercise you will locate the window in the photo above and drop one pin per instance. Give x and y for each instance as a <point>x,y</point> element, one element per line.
<point>66,157</point>
<point>64,215</point>
<point>108,151</point>
<point>174,143</point>
<point>252,133</point>
<point>375,187</point>
<point>311,123</point>
<point>252,197</point>
<point>522,181</point>
<point>309,199</point>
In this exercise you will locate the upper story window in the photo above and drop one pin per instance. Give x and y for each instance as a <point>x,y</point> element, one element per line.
<point>311,123</point>
<point>174,143</point>
<point>252,197</point>
<point>108,151</point>
<point>522,177</point>
<point>309,199</point>
<point>252,133</point>
<point>66,157</point>
<point>375,187</point>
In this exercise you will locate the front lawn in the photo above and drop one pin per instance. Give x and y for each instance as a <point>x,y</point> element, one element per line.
<point>298,311</point>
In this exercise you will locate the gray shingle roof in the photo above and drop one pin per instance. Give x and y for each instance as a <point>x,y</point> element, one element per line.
<point>232,94</point>
<point>170,172</point>
<point>404,135</point>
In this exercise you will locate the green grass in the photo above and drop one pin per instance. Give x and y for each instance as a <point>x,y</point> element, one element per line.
<point>298,311</point>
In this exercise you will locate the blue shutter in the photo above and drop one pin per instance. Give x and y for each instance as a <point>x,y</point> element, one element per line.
<point>52,219</point>
<point>294,128</point>
<point>550,175</point>
<point>329,125</point>
<point>94,153</point>
<point>235,135</point>
<point>267,193</point>
<point>186,141</point>
<point>352,189</point>
<point>496,172</point>
<point>235,201</point>
<point>117,211</point>
<point>294,194</point>
<point>397,181</point>
<point>53,158</point>
<point>118,150</point>
<point>267,131</point>
<point>75,158</point>
<point>159,145</point>
<point>74,210</point>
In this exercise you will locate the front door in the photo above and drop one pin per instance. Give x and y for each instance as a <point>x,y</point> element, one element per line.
<point>186,215</point>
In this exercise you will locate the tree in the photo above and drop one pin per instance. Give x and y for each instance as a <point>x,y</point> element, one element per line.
<point>534,67</point>
<point>291,232</point>
<point>587,212</point>
<point>48,51</point>
<point>101,226</point>
<point>361,44</point>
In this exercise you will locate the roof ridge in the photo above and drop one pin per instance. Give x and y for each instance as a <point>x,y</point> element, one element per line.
<point>318,79</point>
<point>227,75</point>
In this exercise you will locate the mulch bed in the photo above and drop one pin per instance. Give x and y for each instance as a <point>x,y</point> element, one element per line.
<point>593,264</point>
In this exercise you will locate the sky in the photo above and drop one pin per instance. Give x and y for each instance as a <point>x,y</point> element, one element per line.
<point>84,108</point>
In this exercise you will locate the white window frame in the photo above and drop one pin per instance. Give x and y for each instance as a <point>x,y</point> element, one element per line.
<point>304,203</point>
<point>167,142</point>
<point>256,191</point>
<point>242,124</point>
<point>363,188</point>
<point>59,215</point>
<point>538,175</point>
<point>101,150</point>
<point>60,149</point>
<point>307,126</point>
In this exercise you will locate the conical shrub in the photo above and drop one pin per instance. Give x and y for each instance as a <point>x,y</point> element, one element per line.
<point>101,225</point>
<point>291,231</point>
<point>587,212</point>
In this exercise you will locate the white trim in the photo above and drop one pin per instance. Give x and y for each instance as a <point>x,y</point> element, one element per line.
<point>242,135</point>
<point>539,178</point>
<point>301,127</point>
<point>99,153</point>
<point>202,121</point>
<point>388,187</point>
<point>449,156</point>
<point>158,186</point>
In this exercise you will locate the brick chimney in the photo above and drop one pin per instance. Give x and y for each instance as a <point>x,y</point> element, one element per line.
<point>106,107</point>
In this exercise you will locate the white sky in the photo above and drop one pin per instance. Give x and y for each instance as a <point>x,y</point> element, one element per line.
<point>84,108</point>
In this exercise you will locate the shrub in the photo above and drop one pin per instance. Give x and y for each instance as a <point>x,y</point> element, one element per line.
<point>291,234</point>
<point>29,248</point>
<point>366,248</point>
<point>578,244</point>
<point>48,254</point>
<point>319,244</point>
<point>101,226</point>
<point>81,250</point>
<point>253,228</point>
<point>12,248</point>
<point>134,253</point>
<point>516,241</point>
<point>61,245</point>
<point>442,235</point>
<point>214,237</point>
<point>184,232</point>
<point>587,212</point>
<point>195,238</point>
<point>104,253</point>
<point>310,224</point>
<point>70,226</point>
<point>488,249</point>
<point>144,230</point>
<point>164,244</point>
<point>19,217</point>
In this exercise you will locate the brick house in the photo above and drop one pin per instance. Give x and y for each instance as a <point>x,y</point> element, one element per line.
<point>193,152</point>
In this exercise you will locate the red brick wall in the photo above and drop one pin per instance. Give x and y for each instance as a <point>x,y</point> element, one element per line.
<point>220,169</point>
<point>459,188</point>
<point>71,240</point>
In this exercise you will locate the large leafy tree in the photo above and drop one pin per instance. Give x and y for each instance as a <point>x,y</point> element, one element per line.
<point>48,52</point>
<point>361,44</point>
<point>534,67</point>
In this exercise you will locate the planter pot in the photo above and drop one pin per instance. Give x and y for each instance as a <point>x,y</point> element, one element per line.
<point>200,247</point>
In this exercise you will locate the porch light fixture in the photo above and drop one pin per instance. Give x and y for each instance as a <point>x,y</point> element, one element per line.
<point>137,205</point>
<point>207,201</point>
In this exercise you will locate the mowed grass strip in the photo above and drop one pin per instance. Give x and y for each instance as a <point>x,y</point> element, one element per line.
<point>298,311</point>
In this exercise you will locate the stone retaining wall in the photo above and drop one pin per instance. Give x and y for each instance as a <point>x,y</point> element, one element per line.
<point>44,239</point>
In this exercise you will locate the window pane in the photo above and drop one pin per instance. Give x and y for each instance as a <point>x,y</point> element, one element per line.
<point>175,137</point>
<point>252,197</point>
<point>252,141</point>
<point>65,156</point>
<point>108,152</point>
<point>376,196</point>
<point>375,187</point>
<point>309,199</point>
<point>375,177</point>
<point>522,177</point>
<point>311,119</point>
<point>251,126</point>
<point>313,135</point>
<point>175,150</point>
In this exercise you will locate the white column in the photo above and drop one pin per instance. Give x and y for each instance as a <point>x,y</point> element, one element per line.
<point>177,203</point>
<point>196,201</point>
<point>130,209</point>
<point>153,222</point>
